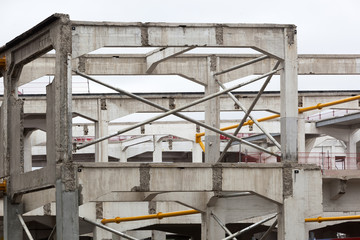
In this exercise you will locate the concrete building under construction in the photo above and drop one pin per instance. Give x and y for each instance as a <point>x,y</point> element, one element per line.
<point>283,166</point>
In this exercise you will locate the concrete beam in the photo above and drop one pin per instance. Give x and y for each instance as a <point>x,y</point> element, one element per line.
<point>160,55</point>
<point>185,178</point>
<point>137,64</point>
<point>261,37</point>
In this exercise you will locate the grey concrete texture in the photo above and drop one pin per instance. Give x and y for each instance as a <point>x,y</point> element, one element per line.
<point>285,185</point>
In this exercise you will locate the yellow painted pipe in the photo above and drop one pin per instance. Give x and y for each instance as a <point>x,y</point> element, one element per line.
<point>159,215</point>
<point>3,186</point>
<point>2,62</point>
<point>202,145</point>
<point>322,105</point>
<point>323,219</point>
<point>301,110</point>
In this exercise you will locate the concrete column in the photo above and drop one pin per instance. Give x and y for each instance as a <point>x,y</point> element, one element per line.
<point>210,229</point>
<point>291,223</point>
<point>27,152</point>
<point>212,114</point>
<point>67,199</point>
<point>157,153</point>
<point>13,229</point>
<point>289,98</point>
<point>158,235</point>
<point>196,153</point>
<point>351,161</point>
<point>301,139</point>
<point>101,130</point>
<point>122,156</point>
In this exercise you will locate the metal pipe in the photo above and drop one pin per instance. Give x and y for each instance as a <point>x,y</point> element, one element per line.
<point>222,225</point>
<point>250,122</point>
<point>174,110</point>
<point>301,110</point>
<point>249,227</point>
<point>230,195</point>
<point>323,219</point>
<point>202,145</point>
<point>2,62</point>
<point>242,65</point>
<point>109,229</point>
<point>247,113</point>
<point>53,231</point>
<point>322,105</point>
<point>159,215</point>
<point>266,234</point>
<point>25,227</point>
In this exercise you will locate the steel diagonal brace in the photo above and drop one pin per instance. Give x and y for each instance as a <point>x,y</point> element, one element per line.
<point>26,229</point>
<point>175,111</point>
<point>242,65</point>
<point>250,227</point>
<point>247,114</point>
<point>109,229</point>
<point>222,225</point>
<point>267,233</point>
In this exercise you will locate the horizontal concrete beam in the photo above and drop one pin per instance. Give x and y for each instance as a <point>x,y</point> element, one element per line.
<point>191,66</point>
<point>99,179</point>
<point>89,36</point>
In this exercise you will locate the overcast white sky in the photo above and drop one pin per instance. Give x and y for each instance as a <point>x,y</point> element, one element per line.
<point>324,26</point>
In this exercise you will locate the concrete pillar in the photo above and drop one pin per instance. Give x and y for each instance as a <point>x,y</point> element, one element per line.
<point>13,229</point>
<point>27,152</point>
<point>289,99</point>
<point>210,229</point>
<point>291,223</point>
<point>196,153</point>
<point>12,154</point>
<point>101,130</point>
<point>122,156</point>
<point>157,153</point>
<point>351,161</point>
<point>212,114</point>
<point>67,199</point>
<point>301,139</point>
<point>158,235</point>
<point>99,233</point>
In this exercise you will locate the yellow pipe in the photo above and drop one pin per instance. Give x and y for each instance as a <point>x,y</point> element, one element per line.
<point>322,105</point>
<point>301,110</point>
<point>3,186</point>
<point>323,219</point>
<point>202,145</point>
<point>159,215</point>
<point>2,62</point>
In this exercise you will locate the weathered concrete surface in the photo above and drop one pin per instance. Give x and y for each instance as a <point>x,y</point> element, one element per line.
<point>136,64</point>
<point>99,179</point>
<point>158,35</point>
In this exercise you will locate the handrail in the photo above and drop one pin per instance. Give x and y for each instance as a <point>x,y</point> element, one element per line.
<point>340,218</point>
<point>301,110</point>
<point>158,215</point>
